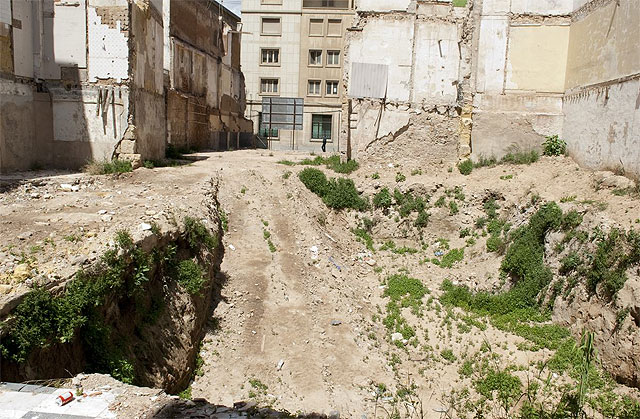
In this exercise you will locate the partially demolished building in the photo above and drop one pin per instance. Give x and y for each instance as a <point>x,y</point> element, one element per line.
<point>96,79</point>
<point>440,80</point>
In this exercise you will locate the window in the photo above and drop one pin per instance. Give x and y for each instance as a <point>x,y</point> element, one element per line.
<point>334,28</point>
<point>332,88</point>
<point>269,86</point>
<point>314,88</point>
<point>320,127</point>
<point>316,27</point>
<point>315,57</point>
<point>271,26</point>
<point>326,4</point>
<point>269,56</point>
<point>333,58</point>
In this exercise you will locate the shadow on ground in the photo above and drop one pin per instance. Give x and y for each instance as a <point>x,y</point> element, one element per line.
<point>200,408</point>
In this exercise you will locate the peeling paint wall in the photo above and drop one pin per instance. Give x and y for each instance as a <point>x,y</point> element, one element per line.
<point>602,101</point>
<point>108,42</point>
<point>426,47</point>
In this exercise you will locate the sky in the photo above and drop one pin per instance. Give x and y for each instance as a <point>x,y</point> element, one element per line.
<point>233,5</point>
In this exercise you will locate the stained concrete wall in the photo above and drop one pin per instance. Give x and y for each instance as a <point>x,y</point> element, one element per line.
<point>427,51</point>
<point>520,74</point>
<point>602,102</point>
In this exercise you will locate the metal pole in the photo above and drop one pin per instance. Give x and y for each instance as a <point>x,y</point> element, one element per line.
<point>269,133</point>
<point>349,130</point>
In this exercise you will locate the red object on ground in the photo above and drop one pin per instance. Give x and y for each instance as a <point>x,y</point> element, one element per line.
<point>64,398</point>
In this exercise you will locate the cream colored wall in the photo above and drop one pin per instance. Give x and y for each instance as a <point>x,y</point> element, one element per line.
<point>601,104</point>
<point>604,45</point>
<point>323,43</point>
<point>537,58</point>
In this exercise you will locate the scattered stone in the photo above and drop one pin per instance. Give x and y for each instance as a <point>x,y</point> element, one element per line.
<point>5,288</point>
<point>66,187</point>
<point>79,260</point>
<point>145,226</point>
<point>280,365</point>
<point>21,272</point>
<point>25,235</point>
<point>396,336</point>
<point>336,322</point>
<point>102,212</point>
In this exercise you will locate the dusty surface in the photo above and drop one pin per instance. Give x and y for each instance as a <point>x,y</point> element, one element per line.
<point>294,332</point>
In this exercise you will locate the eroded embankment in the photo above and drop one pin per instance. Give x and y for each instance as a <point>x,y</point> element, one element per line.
<point>137,313</point>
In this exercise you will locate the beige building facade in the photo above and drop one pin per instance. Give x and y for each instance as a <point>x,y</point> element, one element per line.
<point>295,49</point>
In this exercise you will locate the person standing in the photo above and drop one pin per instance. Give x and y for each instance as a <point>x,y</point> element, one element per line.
<point>324,144</point>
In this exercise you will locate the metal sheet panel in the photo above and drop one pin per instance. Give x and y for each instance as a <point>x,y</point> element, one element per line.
<point>368,80</point>
<point>282,113</point>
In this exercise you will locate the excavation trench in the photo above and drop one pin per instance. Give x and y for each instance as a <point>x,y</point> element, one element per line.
<point>139,313</point>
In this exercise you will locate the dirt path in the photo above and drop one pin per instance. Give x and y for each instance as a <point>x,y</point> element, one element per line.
<point>280,307</point>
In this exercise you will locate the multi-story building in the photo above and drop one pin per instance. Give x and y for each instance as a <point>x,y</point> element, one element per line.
<point>294,48</point>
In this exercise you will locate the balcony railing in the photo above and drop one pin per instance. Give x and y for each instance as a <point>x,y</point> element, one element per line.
<point>326,4</point>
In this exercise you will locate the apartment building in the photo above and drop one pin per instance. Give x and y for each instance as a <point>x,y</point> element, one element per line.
<point>295,48</point>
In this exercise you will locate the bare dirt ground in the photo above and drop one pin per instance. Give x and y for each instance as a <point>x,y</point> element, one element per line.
<point>299,327</point>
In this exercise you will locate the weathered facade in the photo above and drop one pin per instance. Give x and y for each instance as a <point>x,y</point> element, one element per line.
<point>87,79</point>
<point>491,76</point>
<point>409,102</point>
<point>205,99</point>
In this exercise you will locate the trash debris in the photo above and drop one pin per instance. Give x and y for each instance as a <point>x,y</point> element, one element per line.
<point>396,336</point>
<point>336,322</point>
<point>369,261</point>
<point>280,364</point>
<point>232,247</point>
<point>314,252</point>
<point>330,238</point>
<point>334,263</point>
<point>438,253</point>
<point>64,398</point>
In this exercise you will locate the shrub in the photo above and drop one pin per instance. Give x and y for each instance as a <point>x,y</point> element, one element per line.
<point>448,355</point>
<point>400,177</point>
<point>615,254</point>
<point>453,208</point>
<point>569,263</point>
<point>382,199</point>
<point>108,167</point>
<point>453,256</point>
<point>341,193</point>
<point>495,244</point>
<point>465,167</point>
<point>315,180</point>
<point>422,220</point>
<point>571,220</point>
<point>189,275</point>
<point>554,146</point>
<point>521,157</point>
<point>197,234</point>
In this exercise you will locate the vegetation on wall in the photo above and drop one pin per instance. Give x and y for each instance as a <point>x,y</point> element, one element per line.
<point>43,319</point>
